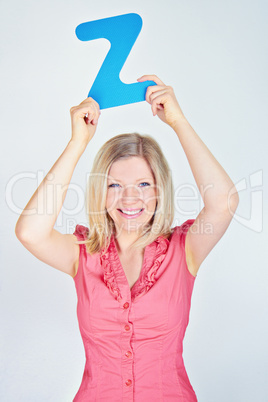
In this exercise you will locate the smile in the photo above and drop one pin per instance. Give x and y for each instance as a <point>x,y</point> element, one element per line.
<point>130,213</point>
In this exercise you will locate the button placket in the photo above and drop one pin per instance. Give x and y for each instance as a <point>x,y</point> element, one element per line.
<point>126,349</point>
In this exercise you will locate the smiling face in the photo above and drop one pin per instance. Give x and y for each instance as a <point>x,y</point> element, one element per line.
<point>131,195</point>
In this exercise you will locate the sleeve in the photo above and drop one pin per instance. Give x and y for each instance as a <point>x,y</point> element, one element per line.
<point>81,232</point>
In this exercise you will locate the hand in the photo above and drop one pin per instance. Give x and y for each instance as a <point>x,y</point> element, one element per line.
<point>163,101</point>
<point>84,120</point>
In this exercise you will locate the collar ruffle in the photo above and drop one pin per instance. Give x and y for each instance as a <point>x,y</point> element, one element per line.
<point>114,275</point>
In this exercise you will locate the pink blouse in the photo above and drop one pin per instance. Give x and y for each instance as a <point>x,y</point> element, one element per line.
<point>133,337</point>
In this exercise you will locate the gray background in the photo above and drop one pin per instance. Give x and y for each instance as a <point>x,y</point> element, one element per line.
<point>214,54</point>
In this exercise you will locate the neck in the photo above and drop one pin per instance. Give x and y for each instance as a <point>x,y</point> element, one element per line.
<point>125,241</point>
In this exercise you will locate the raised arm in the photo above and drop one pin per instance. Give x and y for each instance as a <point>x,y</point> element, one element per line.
<point>214,184</point>
<point>35,226</point>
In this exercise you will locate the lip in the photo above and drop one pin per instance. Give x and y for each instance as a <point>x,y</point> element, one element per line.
<point>131,216</point>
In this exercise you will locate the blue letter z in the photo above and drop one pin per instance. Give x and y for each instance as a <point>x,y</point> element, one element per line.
<point>122,31</point>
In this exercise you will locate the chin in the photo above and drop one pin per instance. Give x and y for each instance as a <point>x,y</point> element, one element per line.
<point>132,228</point>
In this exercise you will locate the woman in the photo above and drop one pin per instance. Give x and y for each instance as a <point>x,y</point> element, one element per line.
<point>133,273</point>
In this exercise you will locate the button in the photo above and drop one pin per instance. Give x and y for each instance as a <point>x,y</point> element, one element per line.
<point>126,305</point>
<point>128,383</point>
<point>127,327</point>
<point>128,353</point>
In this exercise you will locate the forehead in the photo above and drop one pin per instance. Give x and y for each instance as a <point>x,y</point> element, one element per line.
<point>134,167</point>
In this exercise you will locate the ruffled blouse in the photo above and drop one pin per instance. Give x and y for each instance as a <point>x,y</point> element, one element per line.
<point>133,338</point>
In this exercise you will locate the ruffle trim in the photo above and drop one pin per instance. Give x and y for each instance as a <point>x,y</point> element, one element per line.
<point>108,261</point>
<point>148,275</point>
<point>154,255</point>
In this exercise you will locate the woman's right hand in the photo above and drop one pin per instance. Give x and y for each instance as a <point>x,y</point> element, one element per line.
<point>84,121</point>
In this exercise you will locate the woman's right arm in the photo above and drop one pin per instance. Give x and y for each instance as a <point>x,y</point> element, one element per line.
<point>35,226</point>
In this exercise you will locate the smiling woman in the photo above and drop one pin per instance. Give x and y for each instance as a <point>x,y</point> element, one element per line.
<point>134,274</point>
<point>130,174</point>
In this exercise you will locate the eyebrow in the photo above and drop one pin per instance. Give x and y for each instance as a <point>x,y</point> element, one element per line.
<point>138,180</point>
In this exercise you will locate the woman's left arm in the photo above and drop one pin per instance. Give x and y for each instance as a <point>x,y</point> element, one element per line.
<point>216,188</point>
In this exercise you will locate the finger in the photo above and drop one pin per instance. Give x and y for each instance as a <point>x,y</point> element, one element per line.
<point>90,101</point>
<point>82,109</point>
<point>155,107</point>
<point>151,90</point>
<point>160,93</point>
<point>93,119</point>
<point>93,114</point>
<point>88,113</point>
<point>89,104</point>
<point>89,117</point>
<point>158,103</point>
<point>88,109</point>
<point>151,78</point>
<point>96,119</point>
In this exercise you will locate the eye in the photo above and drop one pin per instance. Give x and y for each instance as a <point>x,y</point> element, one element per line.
<point>144,184</point>
<point>113,185</point>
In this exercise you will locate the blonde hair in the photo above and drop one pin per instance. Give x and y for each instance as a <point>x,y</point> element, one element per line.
<point>101,226</point>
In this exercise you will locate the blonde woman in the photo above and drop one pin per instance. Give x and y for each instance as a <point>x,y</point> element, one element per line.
<point>133,272</point>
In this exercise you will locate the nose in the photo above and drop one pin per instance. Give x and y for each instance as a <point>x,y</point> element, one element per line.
<point>131,193</point>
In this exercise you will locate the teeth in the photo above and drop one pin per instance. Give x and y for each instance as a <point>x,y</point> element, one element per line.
<point>131,212</point>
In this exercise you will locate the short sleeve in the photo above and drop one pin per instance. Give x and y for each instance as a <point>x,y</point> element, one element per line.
<point>81,232</point>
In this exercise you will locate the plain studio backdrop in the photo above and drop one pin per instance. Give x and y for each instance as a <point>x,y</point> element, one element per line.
<point>214,54</point>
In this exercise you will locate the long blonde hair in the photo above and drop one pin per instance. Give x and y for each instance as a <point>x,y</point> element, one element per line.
<point>101,226</point>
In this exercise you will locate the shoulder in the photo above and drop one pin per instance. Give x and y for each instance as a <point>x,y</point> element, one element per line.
<point>81,233</point>
<point>178,248</point>
<point>180,232</point>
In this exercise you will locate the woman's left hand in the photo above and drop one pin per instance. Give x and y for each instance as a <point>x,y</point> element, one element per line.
<point>163,101</point>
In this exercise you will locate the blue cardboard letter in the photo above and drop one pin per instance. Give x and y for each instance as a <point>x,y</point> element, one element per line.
<point>122,31</point>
